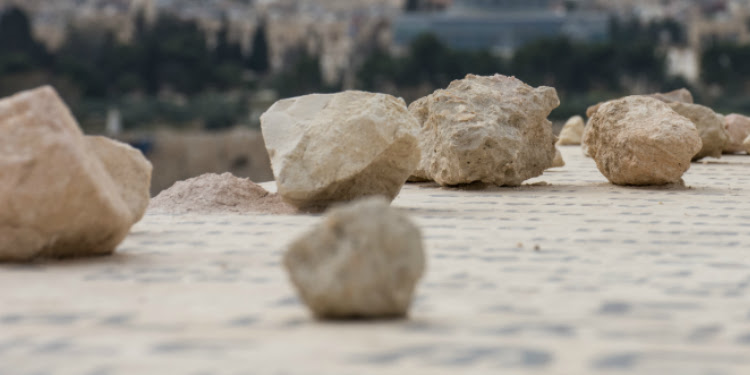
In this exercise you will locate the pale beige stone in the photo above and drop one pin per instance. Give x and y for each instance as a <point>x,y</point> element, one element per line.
<point>572,132</point>
<point>328,148</point>
<point>558,161</point>
<point>682,95</point>
<point>746,144</point>
<point>738,129</point>
<point>363,261</point>
<point>128,168</point>
<point>710,126</point>
<point>490,129</point>
<point>638,140</point>
<point>56,197</point>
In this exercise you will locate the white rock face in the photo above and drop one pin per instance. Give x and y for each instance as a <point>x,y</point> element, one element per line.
<point>738,129</point>
<point>572,132</point>
<point>328,148</point>
<point>638,140</point>
<point>490,129</point>
<point>362,261</point>
<point>128,168</point>
<point>57,198</point>
<point>710,127</point>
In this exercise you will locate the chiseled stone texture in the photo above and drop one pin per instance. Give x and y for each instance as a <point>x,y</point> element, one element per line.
<point>57,198</point>
<point>710,126</point>
<point>572,132</point>
<point>128,168</point>
<point>638,140</point>
<point>738,129</point>
<point>328,148</point>
<point>492,129</point>
<point>362,261</point>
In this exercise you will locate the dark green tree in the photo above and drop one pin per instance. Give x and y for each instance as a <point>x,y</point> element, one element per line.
<point>259,59</point>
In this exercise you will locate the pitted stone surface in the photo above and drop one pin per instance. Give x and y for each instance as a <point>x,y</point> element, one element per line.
<point>488,129</point>
<point>577,276</point>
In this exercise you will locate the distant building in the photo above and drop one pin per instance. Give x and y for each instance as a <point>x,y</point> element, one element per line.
<point>500,25</point>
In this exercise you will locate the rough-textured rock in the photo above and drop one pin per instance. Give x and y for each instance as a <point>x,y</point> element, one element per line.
<point>738,129</point>
<point>339,147</point>
<point>639,140</point>
<point>558,161</point>
<point>491,129</point>
<point>129,169</point>
<point>710,127</point>
<point>362,261</point>
<point>56,197</point>
<point>212,193</point>
<point>572,132</point>
<point>677,96</point>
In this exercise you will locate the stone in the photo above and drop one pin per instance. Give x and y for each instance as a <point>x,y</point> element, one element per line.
<point>572,132</point>
<point>682,95</point>
<point>638,140</point>
<point>746,144</point>
<point>57,197</point>
<point>363,261</point>
<point>558,161</point>
<point>328,148</point>
<point>128,168</point>
<point>710,127</point>
<point>489,129</point>
<point>738,129</point>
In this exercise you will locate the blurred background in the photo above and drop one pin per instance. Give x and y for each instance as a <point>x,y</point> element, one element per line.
<point>185,81</point>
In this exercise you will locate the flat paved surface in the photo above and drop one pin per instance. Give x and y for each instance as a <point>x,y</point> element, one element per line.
<point>575,276</point>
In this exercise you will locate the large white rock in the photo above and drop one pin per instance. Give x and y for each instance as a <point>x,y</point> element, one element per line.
<point>738,129</point>
<point>128,168</point>
<point>710,127</point>
<point>491,129</point>
<point>638,140</point>
<point>572,132</point>
<point>328,148</point>
<point>363,261</point>
<point>57,199</point>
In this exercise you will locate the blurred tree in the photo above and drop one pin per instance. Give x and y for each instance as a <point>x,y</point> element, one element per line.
<point>18,49</point>
<point>259,60</point>
<point>411,5</point>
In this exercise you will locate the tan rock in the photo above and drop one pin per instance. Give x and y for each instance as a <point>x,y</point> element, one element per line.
<point>738,129</point>
<point>746,144</point>
<point>710,127</point>
<point>339,147</point>
<point>558,162</point>
<point>639,140</point>
<point>57,198</point>
<point>682,95</point>
<point>572,132</point>
<point>363,261</point>
<point>128,168</point>
<point>491,129</point>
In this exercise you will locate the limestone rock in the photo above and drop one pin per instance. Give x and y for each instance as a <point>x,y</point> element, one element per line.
<point>491,129</point>
<point>682,95</point>
<point>710,127</point>
<point>558,161</point>
<point>746,144</point>
<point>362,261</point>
<point>584,146</point>
<point>57,198</point>
<point>738,129</point>
<point>639,140</point>
<point>128,168</point>
<point>328,148</point>
<point>572,132</point>
<point>677,96</point>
